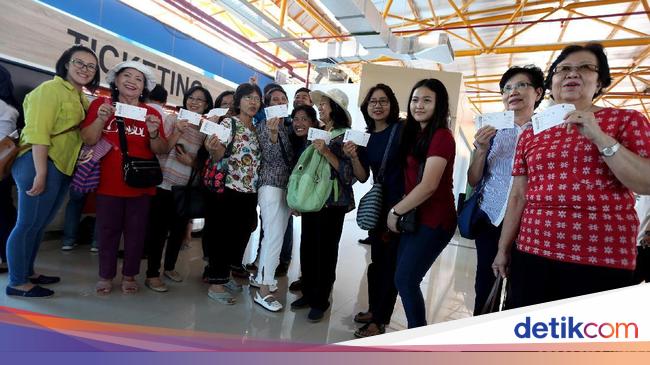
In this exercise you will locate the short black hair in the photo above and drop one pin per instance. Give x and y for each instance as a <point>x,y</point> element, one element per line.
<point>309,110</point>
<point>206,95</point>
<point>269,86</point>
<point>243,90</point>
<point>604,76</point>
<point>115,93</point>
<point>393,115</point>
<point>338,116</point>
<point>219,99</point>
<point>267,96</point>
<point>158,94</point>
<point>533,72</point>
<point>64,60</point>
<point>302,90</point>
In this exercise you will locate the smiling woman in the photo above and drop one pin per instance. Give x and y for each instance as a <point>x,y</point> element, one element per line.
<point>50,143</point>
<point>599,157</point>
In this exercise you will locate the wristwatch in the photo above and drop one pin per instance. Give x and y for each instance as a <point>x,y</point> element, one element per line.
<point>393,212</point>
<point>610,151</point>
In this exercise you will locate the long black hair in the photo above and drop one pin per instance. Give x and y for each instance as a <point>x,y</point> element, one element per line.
<point>63,63</point>
<point>393,115</point>
<point>416,141</point>
<point>206,95</point>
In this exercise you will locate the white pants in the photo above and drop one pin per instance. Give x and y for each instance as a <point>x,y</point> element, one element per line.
<point>275,216</point>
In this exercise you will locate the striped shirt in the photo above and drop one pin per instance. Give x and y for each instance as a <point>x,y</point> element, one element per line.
<point>174,171</point>
<point>498,175</point>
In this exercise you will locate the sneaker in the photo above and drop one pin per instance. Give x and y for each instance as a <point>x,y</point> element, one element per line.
<point>282,269</point>
<point>232,285</point>
<point>173,276</point>
<point>156,285</point>
<point>315,315</point>
<point>300,303</point>
<point>35,292</point>
<point>68,246</point>
<point>253,283</point>
<point>44,280</point>
<point>296,285</point>
<point>94,249</point>
<point>268,302</point>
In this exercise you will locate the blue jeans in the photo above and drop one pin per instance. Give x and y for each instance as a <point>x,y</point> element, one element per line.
<point>73,212</point>
<point>415,255</point>
<point>34,214</point>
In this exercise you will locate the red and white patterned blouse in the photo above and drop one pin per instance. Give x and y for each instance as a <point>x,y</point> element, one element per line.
<point>577,211</point>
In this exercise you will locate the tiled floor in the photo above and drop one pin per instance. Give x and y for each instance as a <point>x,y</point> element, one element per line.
<point>448,291</point>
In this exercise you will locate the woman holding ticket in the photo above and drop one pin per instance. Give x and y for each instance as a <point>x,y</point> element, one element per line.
<point>50,144</point>
<point>428,152</point>
<point>321,231</point>
<point>123,210</point>
<point>571,208</point>
<point>522,90</point>
<point>380,110</point>
<point>177,167</point>
<point>232,215</point>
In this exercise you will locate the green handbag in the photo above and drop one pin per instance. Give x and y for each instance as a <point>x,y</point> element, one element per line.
<point>311,183</point>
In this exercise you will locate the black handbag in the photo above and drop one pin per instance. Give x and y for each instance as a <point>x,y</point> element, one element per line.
<point>408,222</point>
<point>137,172</point>
<point>369,210</point>
<point>189,199</point>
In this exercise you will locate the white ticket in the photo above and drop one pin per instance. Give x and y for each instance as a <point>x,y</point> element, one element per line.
<point>359,138</point>
<point>314,134</point>
<point>276,111</point>
<point>191,117</point>
<point>499,120</point>
<point>212,128</point>
<point>217,112</point>
<point>130,111</point>
<point>551,117</point>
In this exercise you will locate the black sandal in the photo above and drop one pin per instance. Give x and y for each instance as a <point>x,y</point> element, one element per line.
<point>370,329</point>
<point>363,317</point>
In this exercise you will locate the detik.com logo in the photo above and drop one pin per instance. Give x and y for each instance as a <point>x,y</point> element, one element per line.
<point>568,327</point>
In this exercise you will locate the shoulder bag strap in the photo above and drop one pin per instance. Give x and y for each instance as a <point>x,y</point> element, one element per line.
<point>122,134</point>
<point>380,177</point>
<point>481,185</point>
<point>283,152</point>
<point>233,129</point>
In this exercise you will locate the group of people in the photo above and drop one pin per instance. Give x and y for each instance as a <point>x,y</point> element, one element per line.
<point>565,195</point>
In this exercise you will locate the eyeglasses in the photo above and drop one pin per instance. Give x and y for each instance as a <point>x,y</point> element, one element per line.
<point>381,102</point>
<point>583,69</point>
<point>82,65</point>
<point>198,100</point>
<point>508,89</point>
<point>252,98</point>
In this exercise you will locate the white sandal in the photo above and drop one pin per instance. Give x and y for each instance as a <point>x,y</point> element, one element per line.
<point>268,302</point>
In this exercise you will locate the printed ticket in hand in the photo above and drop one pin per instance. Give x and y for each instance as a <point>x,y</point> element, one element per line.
<point>212,128</point>
<point>314,134</point>
<point>551,117</point>
<point>217,112</point>
<point>130,111</point>
<point>191,117</point>
<point>276,111</point>
<point>500,120</point>
<point>359,138</point>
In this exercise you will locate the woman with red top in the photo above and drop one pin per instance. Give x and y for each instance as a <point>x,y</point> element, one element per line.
<point>428,150</point>
<point>571,207</point>
<point>121,209</point>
